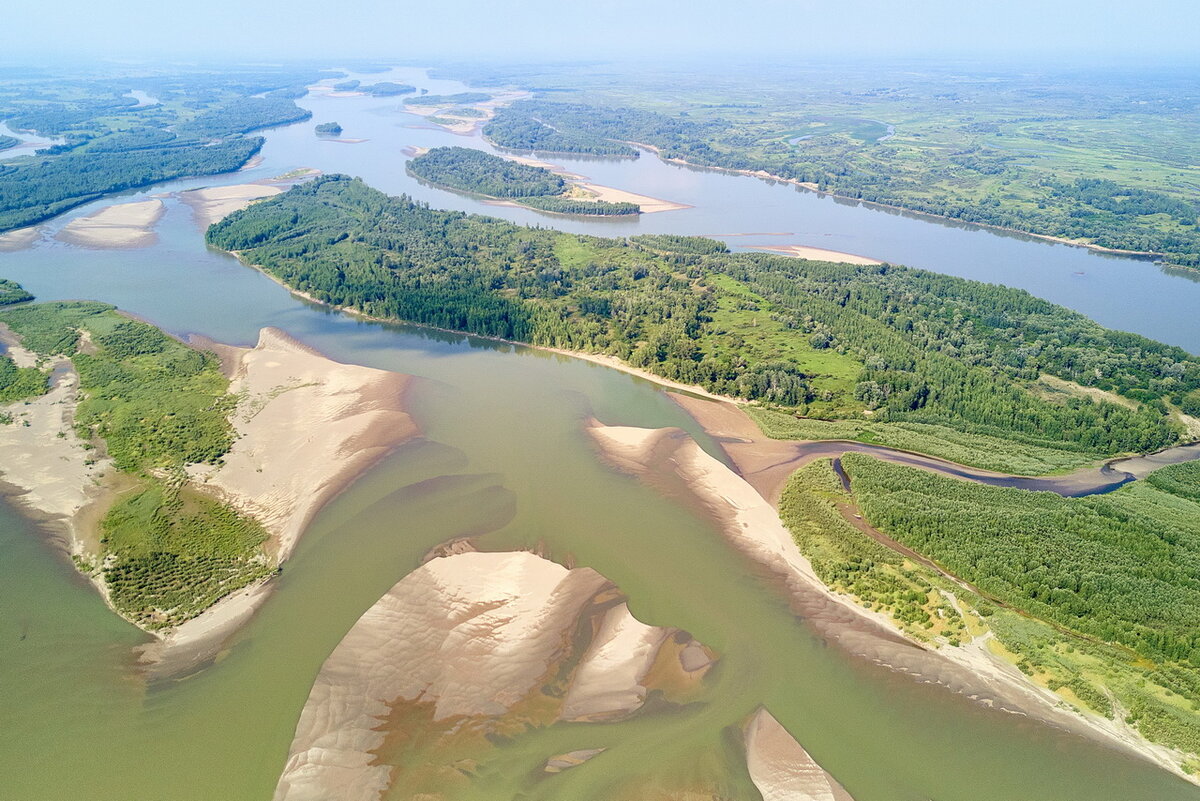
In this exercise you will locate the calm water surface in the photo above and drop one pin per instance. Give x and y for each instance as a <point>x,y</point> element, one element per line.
<point>504,458</point>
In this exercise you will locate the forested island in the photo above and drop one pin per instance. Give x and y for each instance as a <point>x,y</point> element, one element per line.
<point>388,89</point>
<point>328,129</point>
<point>112,144</point>
<point>470,170</point>
<point>458,99</point>
<point>1024,154</point>
<point>820,340</point>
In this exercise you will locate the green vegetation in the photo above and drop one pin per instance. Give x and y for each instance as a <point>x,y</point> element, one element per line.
<point>346,86</point>
<point>850,562</point>
<point>167,552</point>
<point>475,171</point>
<point>471,170</point>
<point>11,292</point>
<point>813,338</point>
<point>1182,480</point>
<point>580,206</point>
<point>1159,695</point>
<point>1099,156</point>
<point>388,89</point>
<point>328,128</point>
<point>111,144</point>
<point>20,383</point>
<point>7,142</point>
<point>460,98</point>
<point>174,552</point>
<point>1121,567</point>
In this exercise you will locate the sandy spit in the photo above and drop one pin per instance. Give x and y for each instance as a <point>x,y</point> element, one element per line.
<point>126,225</point>
<point>306,428</point>
<point>213,204</point>
<point>649,205</point>
<point>816,254</point>
<point>780,767</point>
<point>18,240</point>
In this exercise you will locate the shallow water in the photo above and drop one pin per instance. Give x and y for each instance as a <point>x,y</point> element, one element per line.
<point>504,458</point>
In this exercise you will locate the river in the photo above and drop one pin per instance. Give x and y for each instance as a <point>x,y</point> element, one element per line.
<point>505,458</point>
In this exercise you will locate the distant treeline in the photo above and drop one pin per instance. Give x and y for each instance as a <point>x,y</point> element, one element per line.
<point>448,100</point>
<point>388,89</point>
<point>1099,211</point>
<point>933,349</point>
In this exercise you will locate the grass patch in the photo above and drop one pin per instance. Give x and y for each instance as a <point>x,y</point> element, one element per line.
<point>975,450</point>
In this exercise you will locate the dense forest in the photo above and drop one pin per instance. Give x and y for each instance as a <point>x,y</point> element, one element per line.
<point>919,347</point>
<point>11,292</point>
<point>241,116</point>
<point>1097,210</point>
<point>328,129</point>
<point>8,141</point>
<point>154,405</point>
<point>388,89</point>
<point>473,170</point>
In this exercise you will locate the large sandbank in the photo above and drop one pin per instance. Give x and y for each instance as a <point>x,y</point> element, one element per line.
<point>213,204</point>
<point>649,205</point>
<point>125,225</point>
<point>467,638</point>
<point>816,254</point>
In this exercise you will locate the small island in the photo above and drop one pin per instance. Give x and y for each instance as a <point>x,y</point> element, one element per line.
<point>388,89</point>
<point>7,142</point>
<point>469,170</point>
<point>328,129</point>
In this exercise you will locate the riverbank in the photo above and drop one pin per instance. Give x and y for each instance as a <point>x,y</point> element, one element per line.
<point>916,212</point>
<point>816,254</point>
<point>766,464</point>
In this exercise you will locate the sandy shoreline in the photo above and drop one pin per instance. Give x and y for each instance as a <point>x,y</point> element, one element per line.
<point>18,239</point>
<point>649,205</point>
<point>213,204</point>
<point>816,254</point>
<point>125,225</point>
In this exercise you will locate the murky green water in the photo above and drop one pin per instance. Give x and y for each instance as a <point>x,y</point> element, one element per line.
<point>504,458</point>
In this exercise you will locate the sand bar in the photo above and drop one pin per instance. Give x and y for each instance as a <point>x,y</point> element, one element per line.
<point>816,254</point>
<point>126,225</point>
<point>649,205</point>
<point>18,240</point>
<point>780,767</point>
<point>213,204</point>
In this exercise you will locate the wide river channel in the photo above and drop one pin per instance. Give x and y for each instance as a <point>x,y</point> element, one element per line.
<point>505,459</point>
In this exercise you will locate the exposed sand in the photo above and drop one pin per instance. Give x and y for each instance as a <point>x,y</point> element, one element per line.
<point>608,681</point>
<point>816,254</point>
<point>41,457</point>
<point>474,635</point>
<point>780,767</point>
<point>307,426</point>
<point>649,205</point>
<point>753,528</point>
<point>213,204</point>
<point>126,225</point>
<point>18,240</point>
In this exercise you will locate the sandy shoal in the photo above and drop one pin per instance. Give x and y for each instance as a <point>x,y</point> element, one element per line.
<point>649,205</point>
<point>473,635</point>
<point>126,225</point>
<point>780,767</point>
<point>42,459</point>
<point>816,254</point>
<point>213,204</point>
<point>18,240</point>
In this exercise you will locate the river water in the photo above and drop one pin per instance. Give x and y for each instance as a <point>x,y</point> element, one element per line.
<point>505,458</point>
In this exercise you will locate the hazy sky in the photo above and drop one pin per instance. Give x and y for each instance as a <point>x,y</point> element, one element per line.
<point>524,29</point>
